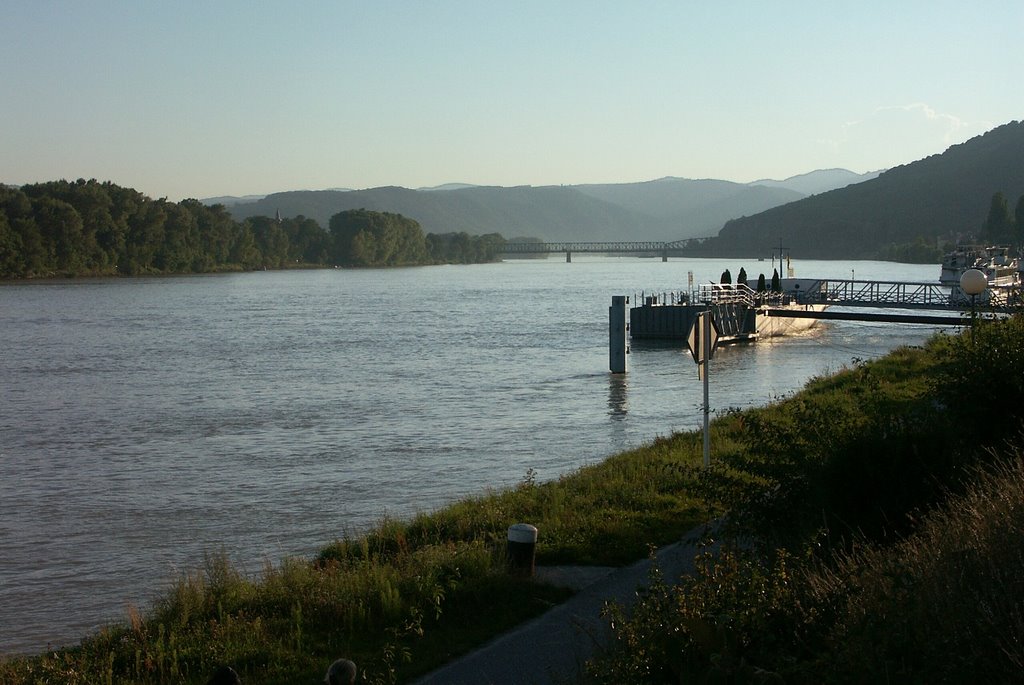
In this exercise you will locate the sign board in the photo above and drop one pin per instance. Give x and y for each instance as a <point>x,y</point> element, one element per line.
<point>696,339</point>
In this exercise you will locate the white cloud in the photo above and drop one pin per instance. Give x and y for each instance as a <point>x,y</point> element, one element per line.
<point>899,134</point>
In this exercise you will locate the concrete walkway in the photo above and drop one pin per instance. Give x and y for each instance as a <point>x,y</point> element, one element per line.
<point>552,648</point>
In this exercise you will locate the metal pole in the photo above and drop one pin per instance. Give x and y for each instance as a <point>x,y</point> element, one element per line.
<point>705,353</point>
<point>972,317</point>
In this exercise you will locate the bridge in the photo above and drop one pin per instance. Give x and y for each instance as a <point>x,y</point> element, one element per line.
<point>641,247</point>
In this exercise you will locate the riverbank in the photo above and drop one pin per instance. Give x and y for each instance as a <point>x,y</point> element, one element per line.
<point>848,457</point>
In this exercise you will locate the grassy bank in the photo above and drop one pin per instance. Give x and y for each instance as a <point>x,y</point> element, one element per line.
<point>832,486</point>
<point>884,507</point>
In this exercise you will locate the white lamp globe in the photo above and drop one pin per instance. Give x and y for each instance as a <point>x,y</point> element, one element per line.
<point>973,282</point>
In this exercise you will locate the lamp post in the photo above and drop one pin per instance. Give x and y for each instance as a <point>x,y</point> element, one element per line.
<point>973,282</point>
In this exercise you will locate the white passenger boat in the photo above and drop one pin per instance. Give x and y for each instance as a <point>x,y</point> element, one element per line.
<point>999,264</point>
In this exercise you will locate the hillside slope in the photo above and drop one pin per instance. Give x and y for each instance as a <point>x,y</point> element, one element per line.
<point>669,209</point>
<point>942,196</point>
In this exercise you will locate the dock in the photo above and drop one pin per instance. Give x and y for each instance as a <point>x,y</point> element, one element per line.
<point>743,314</point>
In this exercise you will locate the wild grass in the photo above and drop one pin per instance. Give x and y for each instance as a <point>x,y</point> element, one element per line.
<point>944,605</point>
<point>881,511</point>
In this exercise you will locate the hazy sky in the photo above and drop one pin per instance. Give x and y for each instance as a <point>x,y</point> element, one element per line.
<point>222,97</point>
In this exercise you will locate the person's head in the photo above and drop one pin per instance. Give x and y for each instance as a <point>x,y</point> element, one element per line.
<point>341,672</point>
<point>225,675</point>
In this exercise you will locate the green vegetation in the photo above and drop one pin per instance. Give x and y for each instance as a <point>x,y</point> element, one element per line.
<point>940,199</point>
<point>372,239</point>
<point>881,514</point>
<point>880,510</point>
<point>87,228</point>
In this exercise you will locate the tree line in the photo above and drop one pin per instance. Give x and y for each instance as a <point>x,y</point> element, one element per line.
<point>83,228</point>
<point>1001,227</point>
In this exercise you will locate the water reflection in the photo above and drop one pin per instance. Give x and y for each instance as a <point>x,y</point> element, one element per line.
<point>618,401</point>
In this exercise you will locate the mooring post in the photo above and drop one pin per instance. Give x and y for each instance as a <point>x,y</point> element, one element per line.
<point>522,549</point>
<point>618,349</point>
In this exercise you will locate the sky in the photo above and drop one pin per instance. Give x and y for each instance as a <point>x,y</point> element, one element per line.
<point>199,99</point>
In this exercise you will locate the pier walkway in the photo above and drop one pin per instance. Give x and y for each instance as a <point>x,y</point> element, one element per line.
<point>844,293</point>
<point>742,314</point>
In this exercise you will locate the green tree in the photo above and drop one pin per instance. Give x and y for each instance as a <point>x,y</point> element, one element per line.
<point>741,277</point>
<point>776,282</point>
<point>307,241</point>
<point>102,237</point>
<point>998,225</point>
<point>761,286</point>
<point>180,247</point>
<point>17,209</point>
<point>11,264</point>
<point>726,277</point>
<point>270,239</point>
<point>1018,221</point>
<point>216,229</point>
<point>365,238</point>
<point>126,204</point>
<point>144,238</point>
<point>243,251</point>
<point>60,227</point>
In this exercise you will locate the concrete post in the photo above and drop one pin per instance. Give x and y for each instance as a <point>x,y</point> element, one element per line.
<point>618,349</point>
<point>522,549</point>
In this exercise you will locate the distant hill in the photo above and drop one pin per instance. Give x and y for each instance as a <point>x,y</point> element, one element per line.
<point>818,181</point>
<point>450,186</point>
<point>665,209</point>
<point>231,200</point>
<point>942,196</point>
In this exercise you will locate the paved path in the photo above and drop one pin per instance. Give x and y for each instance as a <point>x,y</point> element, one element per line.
<point>552,648</point>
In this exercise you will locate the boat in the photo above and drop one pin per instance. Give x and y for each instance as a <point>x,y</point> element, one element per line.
<point>998,262</point>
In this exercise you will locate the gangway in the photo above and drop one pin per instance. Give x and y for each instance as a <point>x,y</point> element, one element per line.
<point>895,295</point>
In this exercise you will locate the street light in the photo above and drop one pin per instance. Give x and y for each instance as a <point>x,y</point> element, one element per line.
<point>973,282</point>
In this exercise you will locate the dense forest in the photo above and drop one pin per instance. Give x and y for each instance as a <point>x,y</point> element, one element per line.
<point>937,200</point>
<point>88,228</point>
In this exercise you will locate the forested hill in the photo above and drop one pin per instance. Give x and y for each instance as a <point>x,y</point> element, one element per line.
<point>944,197</point>
<point>88,228</point>
<point>666,209</point>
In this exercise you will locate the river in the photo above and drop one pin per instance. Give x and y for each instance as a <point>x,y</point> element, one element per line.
<point>146,422</point>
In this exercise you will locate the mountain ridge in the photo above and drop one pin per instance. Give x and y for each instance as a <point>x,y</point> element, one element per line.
<point>668,208</point>
<point>942,198</point>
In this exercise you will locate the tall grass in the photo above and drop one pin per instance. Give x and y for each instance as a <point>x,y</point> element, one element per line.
<point>944,605</point>
<point>885,506</point>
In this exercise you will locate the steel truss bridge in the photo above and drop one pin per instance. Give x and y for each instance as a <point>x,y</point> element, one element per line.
<point>646,247</point>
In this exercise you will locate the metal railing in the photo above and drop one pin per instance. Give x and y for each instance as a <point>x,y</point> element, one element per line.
<point>901,294</point>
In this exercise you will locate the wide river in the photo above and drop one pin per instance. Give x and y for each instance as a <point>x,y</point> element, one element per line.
<point>147,422</point>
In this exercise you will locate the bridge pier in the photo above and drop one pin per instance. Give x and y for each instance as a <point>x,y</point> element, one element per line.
<point>568,257</point>
<point>664,257</point>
